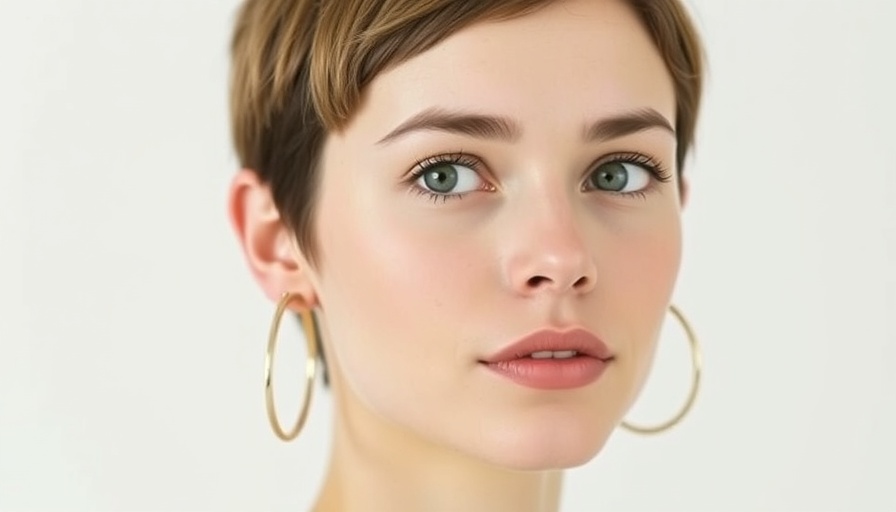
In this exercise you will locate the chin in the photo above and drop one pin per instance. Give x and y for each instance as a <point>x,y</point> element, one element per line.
<point>559,444</point>
<point>548,456</point>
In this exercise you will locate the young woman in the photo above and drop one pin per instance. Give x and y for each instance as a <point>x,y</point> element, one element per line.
<point>480,203</point>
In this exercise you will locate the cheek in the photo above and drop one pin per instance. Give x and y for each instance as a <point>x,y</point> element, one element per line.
<point>639,277</point>
<point>392,293</point>
<point>639,261</point>
<point>647,265</point>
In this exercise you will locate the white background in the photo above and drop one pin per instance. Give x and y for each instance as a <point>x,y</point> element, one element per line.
<point>132,337</point>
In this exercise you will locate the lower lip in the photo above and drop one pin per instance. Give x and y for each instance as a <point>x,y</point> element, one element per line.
<point>571,373</point>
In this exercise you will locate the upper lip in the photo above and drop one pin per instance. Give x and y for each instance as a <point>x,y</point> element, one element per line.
<point>580,340</point>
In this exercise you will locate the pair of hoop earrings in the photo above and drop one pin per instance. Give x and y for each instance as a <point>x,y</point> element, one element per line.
<point>309,325</point>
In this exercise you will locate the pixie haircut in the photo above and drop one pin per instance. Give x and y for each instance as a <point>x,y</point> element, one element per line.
<point>299,68</point>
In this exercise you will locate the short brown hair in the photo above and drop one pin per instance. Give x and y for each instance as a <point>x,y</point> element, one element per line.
<point>299,67</point>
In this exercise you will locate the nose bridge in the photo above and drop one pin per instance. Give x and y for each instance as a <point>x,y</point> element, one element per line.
<point>548,249</point>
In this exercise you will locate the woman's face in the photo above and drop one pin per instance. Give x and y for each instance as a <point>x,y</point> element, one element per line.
<point>518,177</point>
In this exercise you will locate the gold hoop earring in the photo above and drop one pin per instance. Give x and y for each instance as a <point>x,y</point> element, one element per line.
<point>309,325</point>
<point>697,366</point>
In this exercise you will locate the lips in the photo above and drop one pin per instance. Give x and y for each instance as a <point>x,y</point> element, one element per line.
<point>552,360</point>
<point>538,344</point>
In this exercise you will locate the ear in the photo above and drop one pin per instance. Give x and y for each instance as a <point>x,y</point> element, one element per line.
<point>269,246</point>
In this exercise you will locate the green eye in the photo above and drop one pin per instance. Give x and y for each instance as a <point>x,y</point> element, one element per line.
<point>441,178</point>
<point>449,178</point>
<point>621,177</point>
<point>612,176</point>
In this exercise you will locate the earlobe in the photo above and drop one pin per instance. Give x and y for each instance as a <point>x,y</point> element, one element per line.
<point>268,244</point>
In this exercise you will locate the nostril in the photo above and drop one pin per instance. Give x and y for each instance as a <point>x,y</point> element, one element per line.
<point>536,281</point>
<point>581,283</point>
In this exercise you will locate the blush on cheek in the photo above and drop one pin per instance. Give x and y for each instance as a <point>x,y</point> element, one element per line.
<point>643,268</point>
<point>657,255</point>
<point>639,282</point>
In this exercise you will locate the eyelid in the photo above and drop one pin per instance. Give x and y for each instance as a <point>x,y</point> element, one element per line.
<point>456,158</point>
<point>652,165</point>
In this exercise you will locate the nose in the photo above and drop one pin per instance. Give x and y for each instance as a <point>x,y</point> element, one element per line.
<point>548,253</point>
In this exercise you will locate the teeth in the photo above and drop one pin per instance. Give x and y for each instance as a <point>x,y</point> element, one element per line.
<point>550,354</point>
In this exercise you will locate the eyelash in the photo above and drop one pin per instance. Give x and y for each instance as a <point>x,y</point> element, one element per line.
<point>425,164</point>
<point>651,165</point>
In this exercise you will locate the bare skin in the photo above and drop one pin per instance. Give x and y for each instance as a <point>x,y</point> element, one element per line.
<point>416,286</point>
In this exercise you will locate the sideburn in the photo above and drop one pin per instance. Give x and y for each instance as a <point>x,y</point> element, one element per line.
<point>290,164</point>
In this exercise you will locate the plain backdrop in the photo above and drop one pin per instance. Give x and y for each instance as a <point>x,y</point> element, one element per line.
<point>132,336</point>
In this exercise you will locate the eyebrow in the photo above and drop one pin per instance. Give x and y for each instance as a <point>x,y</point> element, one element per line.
<point>501,128</point>
<point>626,124</point>
<point>475,125</point>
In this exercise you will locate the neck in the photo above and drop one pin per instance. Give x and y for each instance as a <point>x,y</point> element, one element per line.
<point>375,465</point>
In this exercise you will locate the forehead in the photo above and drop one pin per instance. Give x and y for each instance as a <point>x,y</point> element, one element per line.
<point>571,59</point>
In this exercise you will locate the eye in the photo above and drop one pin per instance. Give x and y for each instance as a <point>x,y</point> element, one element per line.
<point>449,178</point>
<point>621,177</point>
